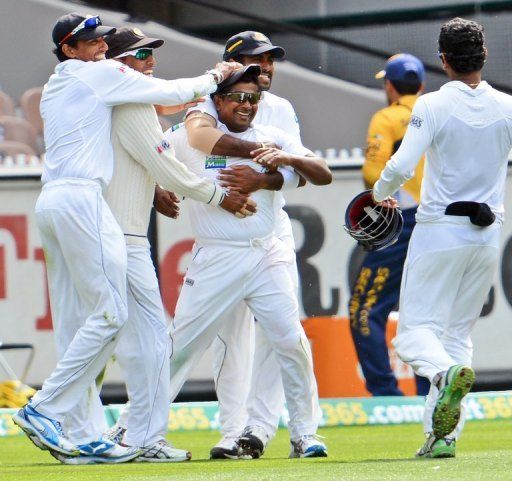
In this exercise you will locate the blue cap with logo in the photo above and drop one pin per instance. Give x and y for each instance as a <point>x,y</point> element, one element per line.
<point>403,67</point>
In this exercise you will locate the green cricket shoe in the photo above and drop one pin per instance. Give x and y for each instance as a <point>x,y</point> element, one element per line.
<point>437,448</point>
<point>458,382</point>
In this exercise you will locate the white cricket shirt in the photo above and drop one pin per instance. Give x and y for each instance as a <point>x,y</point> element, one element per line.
<point>212,223</point>
<point>76,108</point>
<point>273,111</point>
<point>467,136</point>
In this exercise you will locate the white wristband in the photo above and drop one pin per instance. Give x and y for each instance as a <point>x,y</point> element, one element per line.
<point>216,74</point>
<point>290,179</point>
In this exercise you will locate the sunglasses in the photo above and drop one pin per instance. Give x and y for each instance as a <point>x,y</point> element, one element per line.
<point>241,97</point>
<point>88,24</point>
<point>140,54</point>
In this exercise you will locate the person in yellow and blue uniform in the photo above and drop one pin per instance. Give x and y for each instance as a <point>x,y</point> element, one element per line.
<point>377,287</point>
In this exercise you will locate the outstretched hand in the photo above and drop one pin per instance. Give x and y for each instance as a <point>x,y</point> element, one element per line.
<point>166,203</point>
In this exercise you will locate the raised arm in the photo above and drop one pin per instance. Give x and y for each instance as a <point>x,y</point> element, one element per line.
<point>400,168</point>
<point>116,84</point>
<point>203,135</point>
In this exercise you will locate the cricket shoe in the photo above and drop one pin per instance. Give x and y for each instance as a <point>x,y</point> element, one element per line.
<point>437,448</point>
<point>115,434</point>
<point>102,451</point>
<point>252,442</point>
<point>163,452</point>
<point>226,448</point>
<point>308,446</point>
<point>44,432</point>
<point>455,385</point>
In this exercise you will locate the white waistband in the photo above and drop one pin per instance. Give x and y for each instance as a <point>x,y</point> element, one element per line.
<point>254,242</point>
<point>72,181</point>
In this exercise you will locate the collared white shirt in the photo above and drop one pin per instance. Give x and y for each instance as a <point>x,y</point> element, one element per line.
<point>76,108</point>
<point>213,223</point>
<point>467,136</point>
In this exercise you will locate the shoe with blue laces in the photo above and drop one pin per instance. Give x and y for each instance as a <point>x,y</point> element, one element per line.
<point>44,432</point>
<point>308,446</point>
<point>102,451</point>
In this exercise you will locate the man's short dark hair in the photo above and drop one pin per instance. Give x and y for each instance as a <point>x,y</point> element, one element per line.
<point>60,54</point>
<point>408,88</point>
<point>462,43</point>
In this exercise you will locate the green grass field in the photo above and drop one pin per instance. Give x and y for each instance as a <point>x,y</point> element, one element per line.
<point>355,453</point>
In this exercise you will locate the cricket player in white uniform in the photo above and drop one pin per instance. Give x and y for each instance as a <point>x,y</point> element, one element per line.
<point>245,261</point>
<point>142,156</point>
<point>465,128</point>
<point>248,402</point>
<point>84,246</point>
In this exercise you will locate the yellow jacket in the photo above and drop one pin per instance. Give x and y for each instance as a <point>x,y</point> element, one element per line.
<point>385,133</point>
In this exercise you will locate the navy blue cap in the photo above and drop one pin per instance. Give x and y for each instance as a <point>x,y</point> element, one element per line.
<point>250,43</point>
<point>251,70</point>
<point>403,67</point>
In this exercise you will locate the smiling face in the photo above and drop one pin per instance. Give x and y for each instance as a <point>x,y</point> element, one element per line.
<point>266,62</point>
<point>143,66</point>
<point>235,115</point>
<point>87,50</point>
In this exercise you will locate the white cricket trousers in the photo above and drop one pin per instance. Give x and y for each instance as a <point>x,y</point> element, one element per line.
<point>86,265</point>
<point>247,376</point>
<point>448,273</point>
<point>220,276</point>
<point>143,353</point>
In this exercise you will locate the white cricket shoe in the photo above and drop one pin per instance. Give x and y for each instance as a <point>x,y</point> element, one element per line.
<point>44,432</point>
<point>115,434</point>
<point>163,452</point>
<point>226,448</point>
<point>102,451</point>
<point>252,442</point>
<point>308,446</point>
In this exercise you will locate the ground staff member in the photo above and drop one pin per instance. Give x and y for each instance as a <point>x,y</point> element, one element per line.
<point>84,246</point>
<point>465,128</point>
<point>376,290</point>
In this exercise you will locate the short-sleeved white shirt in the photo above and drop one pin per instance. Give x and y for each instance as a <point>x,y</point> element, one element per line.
<point>213,223</point>
<point>277,112</point>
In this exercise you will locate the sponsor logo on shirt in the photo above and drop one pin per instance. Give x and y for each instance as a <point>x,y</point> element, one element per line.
<point>215,162</point>
<point>189,282</point>
<point>415,121</point>
<point>164,145</point>
<point>177,126</point>
<point>122,68</point>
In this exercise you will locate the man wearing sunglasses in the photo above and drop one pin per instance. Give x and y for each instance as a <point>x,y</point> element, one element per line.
<point>141,158</point>
<point>251,402</point>
<point>245,264</point>
<point>84,246</point>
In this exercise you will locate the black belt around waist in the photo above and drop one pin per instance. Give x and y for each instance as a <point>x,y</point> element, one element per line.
<point>479,213</point>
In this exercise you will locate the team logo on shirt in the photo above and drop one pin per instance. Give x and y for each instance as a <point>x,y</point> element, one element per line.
<point>215,162</point>
<point>415,121</point>
<point>164,145</point>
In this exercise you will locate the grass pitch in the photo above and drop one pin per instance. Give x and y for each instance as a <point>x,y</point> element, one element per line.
<point>355,453</point>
